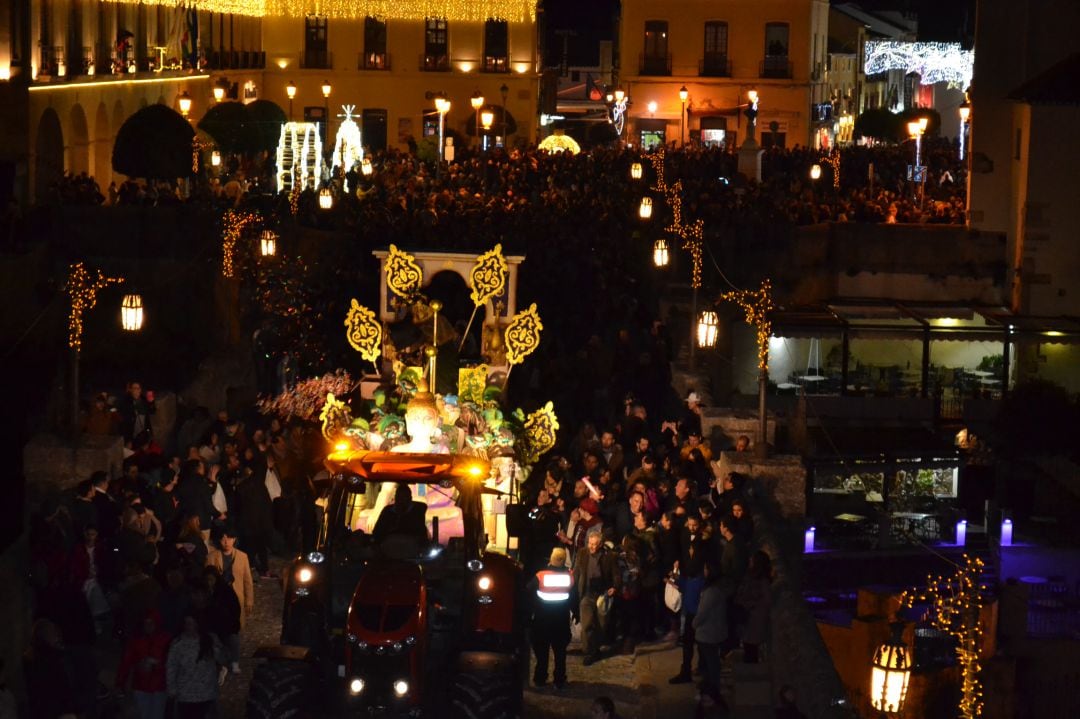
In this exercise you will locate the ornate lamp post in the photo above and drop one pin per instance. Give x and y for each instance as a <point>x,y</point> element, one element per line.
<point>660,253</point>
<point>290,91</point>
<point>487,117</point>
<point>326,88</point>
<point>477,101</point>
<point>183,101</point>
<point>268,243</point>
<point>890,672</point>
<point>442,105</point>
<point>684,94</point>
<point>645,208</point>
<point>965,113</point>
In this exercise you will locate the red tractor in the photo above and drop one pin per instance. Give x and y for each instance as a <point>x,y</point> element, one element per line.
<point>401,627</point>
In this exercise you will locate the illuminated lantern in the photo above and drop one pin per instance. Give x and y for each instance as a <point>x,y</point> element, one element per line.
<point>815,172</point>
<point>708,327</point>
<point>619,94</point>
<point>890,673</point>
<point>215,158</point>
<point>645,210</point>
<point>131,313</point>
<point>365,167</point>
<point>660,255</point>
<point>219,92</point>
<point>326,89</point>
<point>184,101</point>
<point>487,117</point>
<point>326,198</point>
<point>635,171</point>
<point>290,90</point>
<point>268,243</point>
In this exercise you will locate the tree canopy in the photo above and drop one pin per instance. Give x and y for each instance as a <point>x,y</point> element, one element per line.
<point>154,143</point>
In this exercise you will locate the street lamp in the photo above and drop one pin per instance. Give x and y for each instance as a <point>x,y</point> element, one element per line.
<point>326,198</point>
<point>684,94</point>
<point>487,117</point>
<point>619,94</point>
<point>442,106</point>
<point>890,673</point>
<point>131,313</point>
<point>645,209</point>
<point>815,171</point>
<point>365,167</point>
<point>477,101</point>
<point>660,255</point>
<point>326,88</point>
<point>751,114</point>
<point>268,243</point>
<point>708,327</point>
<point>290,91</point>
<point>636,171</point>
<point>184,102</point>
<point>220,89</point>
<point>965,113</point>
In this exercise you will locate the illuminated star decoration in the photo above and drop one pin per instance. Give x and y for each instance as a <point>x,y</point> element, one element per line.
<point>956,603</point>
<point>933,61</point>
<point>233,224</point>
<point>756,304</point>
<point>692,235</point>
<point>82,288</point>
<point>452,10</point>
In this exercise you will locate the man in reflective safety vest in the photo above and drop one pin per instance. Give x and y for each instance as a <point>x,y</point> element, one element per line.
<point>551,589</point>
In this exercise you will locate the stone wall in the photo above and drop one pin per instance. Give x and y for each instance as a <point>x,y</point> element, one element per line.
<point>52,463</point>
<point>780,480</point>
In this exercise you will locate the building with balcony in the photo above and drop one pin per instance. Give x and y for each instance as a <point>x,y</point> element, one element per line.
<point>718,52</point>
<point>72,72</point>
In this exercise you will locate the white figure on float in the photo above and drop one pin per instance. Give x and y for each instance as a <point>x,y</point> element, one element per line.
<point>348,148</point>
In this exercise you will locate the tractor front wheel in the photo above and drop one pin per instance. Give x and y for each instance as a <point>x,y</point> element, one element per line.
<point>281,689</point>
<point>486,696</point>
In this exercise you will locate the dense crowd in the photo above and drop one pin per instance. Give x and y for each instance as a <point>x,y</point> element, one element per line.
<point>150,559</point>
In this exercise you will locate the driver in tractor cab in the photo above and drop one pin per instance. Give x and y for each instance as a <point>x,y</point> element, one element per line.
<point>403,517</point>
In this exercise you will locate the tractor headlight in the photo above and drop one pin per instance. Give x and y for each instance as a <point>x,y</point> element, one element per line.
<point>304,575</point>
<point>401,687</point>
<point>484,583</point>
<point>356,686</point>
<point>396,647</point>
<point>474,565</point>
<point>316,557</point>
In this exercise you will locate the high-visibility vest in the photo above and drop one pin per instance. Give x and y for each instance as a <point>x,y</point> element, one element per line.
<point>553,585</point>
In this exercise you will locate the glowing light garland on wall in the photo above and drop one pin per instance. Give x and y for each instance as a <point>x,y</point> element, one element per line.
<point>956,605</point>
<point>82,288</point>
<point>453,10</point>
<point>693,234</point>
<point>933,61</point>
<point>756,304</point>
<point>233,226</point>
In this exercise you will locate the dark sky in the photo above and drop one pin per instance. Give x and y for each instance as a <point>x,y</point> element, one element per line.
<point>593,21</point>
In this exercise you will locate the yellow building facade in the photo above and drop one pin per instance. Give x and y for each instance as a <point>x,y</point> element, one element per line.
<point>72,71</point>
<point>719,51</point>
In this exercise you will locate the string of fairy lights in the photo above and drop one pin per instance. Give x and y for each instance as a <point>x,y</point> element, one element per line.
<point>82,288</point>
<point>756,305</point>
<point>452,10</point>
<point>233,224</point>
<point>956,603</point>
<point>691,234</point>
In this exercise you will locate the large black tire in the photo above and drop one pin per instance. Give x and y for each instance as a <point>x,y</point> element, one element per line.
<point>485,696</point>
<point>281,689</point>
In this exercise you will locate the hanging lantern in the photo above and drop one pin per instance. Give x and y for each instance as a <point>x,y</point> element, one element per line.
<point>660,255</point>
<point>365,167</point>
<point>131,313</point>
<point>184,102</point>
<point>215,158</point>
<point>815,172</point>
<point>326,198</point>
<point>645,210</point>
<point>708,327</point>
<point>635,171</point>
<point>891,671</point>
<point>268,243</point>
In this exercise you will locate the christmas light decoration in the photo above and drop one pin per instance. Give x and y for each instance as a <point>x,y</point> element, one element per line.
<point>348,147</point>
<point>756,304</point>
<point>933,61</point>
<point>233,224</point>
<point>299,155</point>
<point>559,143</point>
<point>306,398</point>
<point>82,289</point>
<point>956,605</point>
<point>452,10</point>
<point>693,234</point>
<point>131,313</point>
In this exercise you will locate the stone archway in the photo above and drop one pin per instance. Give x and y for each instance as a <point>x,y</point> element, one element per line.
<point>48,154</point>
<point>102,146</point>
<point>78,155</point>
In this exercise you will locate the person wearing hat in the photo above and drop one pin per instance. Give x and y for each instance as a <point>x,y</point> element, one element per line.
<point>690,421</point>
<point>596,575</point>
<point>552,589</point>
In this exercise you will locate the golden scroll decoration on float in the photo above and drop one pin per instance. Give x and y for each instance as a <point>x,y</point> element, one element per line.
<point>363,331</point>
<point>523,335</point>
<point>472,381</point>
<point>541,427</point>
<point>334,416</point>
<point>488,276</point>
<point>403,275</point>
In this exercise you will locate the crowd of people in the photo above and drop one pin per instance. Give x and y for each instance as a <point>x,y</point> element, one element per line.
<point>661,548</point>
<point>151,560</point>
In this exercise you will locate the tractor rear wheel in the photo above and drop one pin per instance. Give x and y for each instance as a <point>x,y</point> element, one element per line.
<point>485,696</point>
<point>281,690</point>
